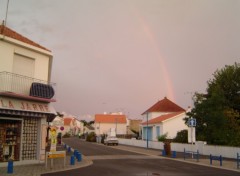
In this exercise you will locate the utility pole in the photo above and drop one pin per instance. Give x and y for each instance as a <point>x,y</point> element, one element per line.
<point>147,129</point>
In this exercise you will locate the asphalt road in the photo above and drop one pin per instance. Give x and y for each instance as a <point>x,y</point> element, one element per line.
<point>108,161</point>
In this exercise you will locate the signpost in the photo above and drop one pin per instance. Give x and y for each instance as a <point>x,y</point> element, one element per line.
<point>192,124</point>
<point>56,154</point>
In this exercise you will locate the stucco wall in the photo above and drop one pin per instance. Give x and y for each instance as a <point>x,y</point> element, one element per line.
<point>172,126</point>
<point>42,60</point>
<point>103,128</point>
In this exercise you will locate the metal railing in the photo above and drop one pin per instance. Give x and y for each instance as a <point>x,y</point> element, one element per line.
<point>19,84</point>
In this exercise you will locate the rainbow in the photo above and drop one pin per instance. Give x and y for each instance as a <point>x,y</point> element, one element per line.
<point>150,36</point>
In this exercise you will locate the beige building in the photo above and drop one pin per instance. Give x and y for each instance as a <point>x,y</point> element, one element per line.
<point>26,94</point>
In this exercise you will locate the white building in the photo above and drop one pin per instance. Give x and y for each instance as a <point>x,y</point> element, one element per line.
<point>164,117</point>
<point>26,94</point>
<point>103,123</point>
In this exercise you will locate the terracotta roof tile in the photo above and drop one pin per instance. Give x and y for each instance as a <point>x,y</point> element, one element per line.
<point>14,35</point>
<point>108,118</point>
<point>163,118</point>
<point>164,105</point>
<point>67,121</point>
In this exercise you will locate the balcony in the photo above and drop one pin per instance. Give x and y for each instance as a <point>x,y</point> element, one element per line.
<point>23,87</point>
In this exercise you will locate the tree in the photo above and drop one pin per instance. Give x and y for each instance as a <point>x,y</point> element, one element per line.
<point>85,123</point>
<point>217,111</point>
<point>181,137</point>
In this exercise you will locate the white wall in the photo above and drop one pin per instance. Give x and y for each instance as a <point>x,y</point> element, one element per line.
<point>42,58</point>
<point>227,152</point>
<point>174,125</point>
<point>103,128</point>
<point>171,126</point>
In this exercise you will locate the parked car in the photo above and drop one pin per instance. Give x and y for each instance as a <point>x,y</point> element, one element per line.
<point>111,140</point>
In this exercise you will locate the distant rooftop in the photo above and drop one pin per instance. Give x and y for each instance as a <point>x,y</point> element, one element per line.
<point>109,118</point>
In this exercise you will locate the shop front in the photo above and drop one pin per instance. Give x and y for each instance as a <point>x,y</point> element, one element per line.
<point>23,129</point>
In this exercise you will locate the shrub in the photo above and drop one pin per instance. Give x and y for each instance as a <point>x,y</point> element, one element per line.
<point>91,137</point>
<point>163,137</point>
<point>66,135</point>
<point>182,137</point>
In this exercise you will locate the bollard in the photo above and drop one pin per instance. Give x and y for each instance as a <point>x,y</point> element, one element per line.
<point>174,154</point>
<point>79,156</point>
<point>69,149</point>
<point>75,153</point>
<point>238,160</point>
<point>163,153</point>
<point>220,159</point>
<point>72,160</point>
<point>10,167</point>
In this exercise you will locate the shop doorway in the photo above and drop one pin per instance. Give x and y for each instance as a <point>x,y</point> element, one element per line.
<point>10,139</point>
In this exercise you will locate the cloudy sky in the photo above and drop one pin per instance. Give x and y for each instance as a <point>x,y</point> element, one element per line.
<point>125,55</point>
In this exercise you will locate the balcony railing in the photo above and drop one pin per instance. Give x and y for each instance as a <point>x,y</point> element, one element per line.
<point>26,86</point>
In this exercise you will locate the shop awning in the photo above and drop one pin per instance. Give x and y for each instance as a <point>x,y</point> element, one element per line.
<point>17,107</point>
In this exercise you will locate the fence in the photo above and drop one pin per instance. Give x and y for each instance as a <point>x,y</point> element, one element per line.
<point>224,151</point>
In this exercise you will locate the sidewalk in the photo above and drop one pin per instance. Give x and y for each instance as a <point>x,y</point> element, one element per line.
<point>228,164</point>
<point>38,169</point>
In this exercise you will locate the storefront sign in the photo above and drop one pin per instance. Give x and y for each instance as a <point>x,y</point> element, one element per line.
<point>53,155</point>
<point>56,155</point>
<point>14,104</point>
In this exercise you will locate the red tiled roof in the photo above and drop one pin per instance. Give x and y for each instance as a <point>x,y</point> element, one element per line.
<point>163,118</point>
<point>164,105</point>
<point>108,118</point>
<point>14,35</point>
<point>67,121</point>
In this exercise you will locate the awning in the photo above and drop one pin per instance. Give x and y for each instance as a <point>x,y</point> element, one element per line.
<point>49,116</point>
<point>17,107</point>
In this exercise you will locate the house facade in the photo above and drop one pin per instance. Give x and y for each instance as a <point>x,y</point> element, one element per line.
<point>104,122</point>
<point>164,117</point>
<point>26,96</point>
<point>68,125</point>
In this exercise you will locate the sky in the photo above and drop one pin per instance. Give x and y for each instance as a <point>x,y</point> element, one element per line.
<point>125,55</point>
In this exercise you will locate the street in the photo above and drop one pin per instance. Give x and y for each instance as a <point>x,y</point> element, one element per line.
<point>108,161</point>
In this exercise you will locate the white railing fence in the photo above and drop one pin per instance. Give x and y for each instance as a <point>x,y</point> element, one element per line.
<point>225,151</point>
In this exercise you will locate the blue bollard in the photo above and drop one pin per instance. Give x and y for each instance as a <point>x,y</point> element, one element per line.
<point>163,153</point>
<point>79,156</point>
<point>72,160</point>
<point>10,167</point>
<point>69,149</point>
<point>174,154</point>
<point>220,159</point>
<point>75,153</point>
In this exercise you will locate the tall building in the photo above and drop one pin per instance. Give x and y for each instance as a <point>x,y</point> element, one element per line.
<point>26,96</point>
